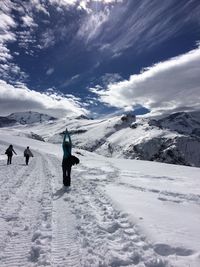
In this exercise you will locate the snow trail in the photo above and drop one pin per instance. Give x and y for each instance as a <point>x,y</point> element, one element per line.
<point>21,212</point>
<point>106,235</point>
<point>65,248</point>
<point>44,224</point>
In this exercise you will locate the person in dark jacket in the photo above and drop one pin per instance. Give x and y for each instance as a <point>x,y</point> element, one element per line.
<point>27,154</point>
<point>9,152</point>
<point>66,162</point>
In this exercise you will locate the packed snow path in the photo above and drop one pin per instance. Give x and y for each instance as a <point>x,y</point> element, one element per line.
<point>44,224</point>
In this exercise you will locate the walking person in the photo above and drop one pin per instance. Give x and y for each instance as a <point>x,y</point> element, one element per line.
<point>66,162</point>
<point>27,154</point>
<point>9,152</point>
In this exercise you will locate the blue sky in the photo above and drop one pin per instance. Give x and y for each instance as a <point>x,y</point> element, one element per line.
<point>71,57</point>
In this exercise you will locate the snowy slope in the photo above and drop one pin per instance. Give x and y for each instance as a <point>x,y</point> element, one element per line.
<point>174,139</point>
<point>182,122</point>
<point>118,212</point>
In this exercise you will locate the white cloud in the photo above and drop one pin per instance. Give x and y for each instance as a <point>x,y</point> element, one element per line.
<point>20,98</point>
<point>7,37</point>
<point>39,6</point>
<point>111,78</point>
<point>137,24</point>
<point>48,39</point>
<point>4,53</point>
<point>6,21</point>
<point>25,39</point>
<point>167,86</point>
<point>28,21</point>
<point>8,69</point>
<point>10,32</point>
<point>50,71</point>
<point>91,27</point>
<point>75,77</point>
<point>81,3</point>
<point>70,81</point>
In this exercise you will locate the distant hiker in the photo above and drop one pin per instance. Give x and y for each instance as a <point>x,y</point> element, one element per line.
<point>27,154</point>
<point>9,152</point>
<point>66,162</point>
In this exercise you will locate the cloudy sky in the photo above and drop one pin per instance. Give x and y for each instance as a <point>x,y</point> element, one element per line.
<point>97,57</point>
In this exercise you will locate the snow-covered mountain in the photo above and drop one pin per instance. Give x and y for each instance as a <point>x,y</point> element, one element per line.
<point>182,122</point>
<point>29,117</point>
<point>173,139</point>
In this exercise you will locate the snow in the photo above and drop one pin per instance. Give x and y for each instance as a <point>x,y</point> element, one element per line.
<point>30,117</point>
<point>118,212</point>
<point>172,139</point>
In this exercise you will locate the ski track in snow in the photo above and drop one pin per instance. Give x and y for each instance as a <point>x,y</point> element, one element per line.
<point>44,224</point>
<point>106,236</point>
<point>21,212</point>
<point>163,195</point>
<point>167,196</point>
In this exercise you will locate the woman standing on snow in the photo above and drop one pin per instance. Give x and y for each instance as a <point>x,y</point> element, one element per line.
<point>9,152</point>
<point>66,162</point>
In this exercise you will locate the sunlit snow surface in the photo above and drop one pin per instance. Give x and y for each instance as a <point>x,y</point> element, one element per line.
<point>117,212</point>
<point>172,139</point>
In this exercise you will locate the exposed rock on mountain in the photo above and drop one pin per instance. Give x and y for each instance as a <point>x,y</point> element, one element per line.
<point>4,121</point>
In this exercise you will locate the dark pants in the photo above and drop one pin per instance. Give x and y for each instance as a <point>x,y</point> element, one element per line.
<point>9,161</point>
<point>27,159</point>
<point>66,168</point>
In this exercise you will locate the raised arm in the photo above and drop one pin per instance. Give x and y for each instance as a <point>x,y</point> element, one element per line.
<point>64,138</point>
<point>67,136</point>
<point>70,141</point>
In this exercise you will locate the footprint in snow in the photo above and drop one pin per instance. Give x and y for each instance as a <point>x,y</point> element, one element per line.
<point>166,250</point>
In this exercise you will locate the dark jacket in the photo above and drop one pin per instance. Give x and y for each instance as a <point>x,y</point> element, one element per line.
<point>9,151</point>
<point>28,153</point>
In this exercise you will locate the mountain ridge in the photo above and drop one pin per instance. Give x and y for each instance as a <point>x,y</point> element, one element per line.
<point>172,139</point>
